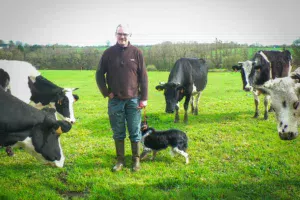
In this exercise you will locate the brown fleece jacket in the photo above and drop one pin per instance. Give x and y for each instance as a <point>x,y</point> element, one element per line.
<point>122,71</point>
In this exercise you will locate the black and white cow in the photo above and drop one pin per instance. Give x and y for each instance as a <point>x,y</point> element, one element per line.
<point>44,92</point>
<point>27,84</point>
<point>264,66</point>
<point>187,78</point>
<point>37,131</point>
<point>285,93</point>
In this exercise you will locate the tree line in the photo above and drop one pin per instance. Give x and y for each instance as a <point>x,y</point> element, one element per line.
<point>218,55</point>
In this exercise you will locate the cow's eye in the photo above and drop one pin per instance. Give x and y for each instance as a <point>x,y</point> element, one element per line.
<point>296,105</point>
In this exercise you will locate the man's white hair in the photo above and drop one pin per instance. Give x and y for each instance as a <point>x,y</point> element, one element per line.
<point>125,26</point>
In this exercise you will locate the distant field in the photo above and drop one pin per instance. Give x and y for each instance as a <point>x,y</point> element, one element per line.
<point>232,155</point>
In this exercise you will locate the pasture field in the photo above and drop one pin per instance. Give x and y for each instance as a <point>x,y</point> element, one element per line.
<point>232,155</point>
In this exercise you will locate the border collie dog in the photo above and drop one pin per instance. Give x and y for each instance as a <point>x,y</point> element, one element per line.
<point>155,141</point>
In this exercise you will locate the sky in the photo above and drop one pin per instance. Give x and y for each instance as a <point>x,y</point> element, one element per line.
<point>93,22</point>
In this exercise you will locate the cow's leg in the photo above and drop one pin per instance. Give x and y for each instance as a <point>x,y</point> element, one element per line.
<point>186,106</point>
<point>176,113</point>
<point>266,103</point>
<point>192,105</point>
<point>271,109</point>
<point>197,103</point>
<point>256,101</point>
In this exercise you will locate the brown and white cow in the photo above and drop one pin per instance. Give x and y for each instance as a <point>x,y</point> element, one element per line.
<point>264,66</point>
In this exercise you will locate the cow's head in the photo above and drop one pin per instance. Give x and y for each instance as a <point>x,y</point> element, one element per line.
<point>284,94</point>
<point>173,92</point>
<point>262,68</point>
<point>247,71</point>
<point>44,143</point>
<point>64,103</point>
<point>45,92</point>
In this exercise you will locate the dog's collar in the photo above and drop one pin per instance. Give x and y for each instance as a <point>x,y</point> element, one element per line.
<point>146,134</point>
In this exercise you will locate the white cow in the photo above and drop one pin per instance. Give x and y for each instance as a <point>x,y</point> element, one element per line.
<point>285,93</point>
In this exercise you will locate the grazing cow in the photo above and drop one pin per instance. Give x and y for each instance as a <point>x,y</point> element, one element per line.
<point>285,93</point>
<point>37,131</point>
<point>187,78</point>
<point>28,85</point>
<point>265,65</point>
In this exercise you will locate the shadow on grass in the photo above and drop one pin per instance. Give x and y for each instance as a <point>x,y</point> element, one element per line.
<point>102,124</point>
<point>195,189</point>
<point>163,118</point>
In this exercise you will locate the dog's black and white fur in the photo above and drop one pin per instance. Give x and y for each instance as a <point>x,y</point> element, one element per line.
<point>155,141</point>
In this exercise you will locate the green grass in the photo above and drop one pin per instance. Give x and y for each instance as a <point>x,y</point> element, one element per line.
<point>232,155</point>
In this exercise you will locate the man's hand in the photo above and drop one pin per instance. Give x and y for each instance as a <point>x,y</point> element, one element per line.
<point>111,95</point>
<point>142,104</point>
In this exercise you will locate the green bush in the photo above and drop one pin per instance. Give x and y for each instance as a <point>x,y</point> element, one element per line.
<point>151,68</point>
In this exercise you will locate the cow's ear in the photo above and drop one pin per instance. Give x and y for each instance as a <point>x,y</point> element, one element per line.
<point>263,90</point>
<point>181,89</point>
<point>297,89</point>
<point>63,127</point>
<point>76,97</point>
<point>236,67</point>
<point>296,77</point>
<point>160,87</point>
<point>69,89</point>
<point>257,67</point>
<point>60,98</point>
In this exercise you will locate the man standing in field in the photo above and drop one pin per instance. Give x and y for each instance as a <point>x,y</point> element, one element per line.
<point>122,76</point>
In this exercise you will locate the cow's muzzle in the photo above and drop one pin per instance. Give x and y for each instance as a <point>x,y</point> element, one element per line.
<point>288,135</point>
<point>248,89</point>
<point>169,111</point>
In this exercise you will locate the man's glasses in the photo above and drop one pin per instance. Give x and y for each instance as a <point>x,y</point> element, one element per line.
<point>123,34</point>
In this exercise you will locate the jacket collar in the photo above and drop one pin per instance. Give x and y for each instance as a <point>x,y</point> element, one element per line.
<point>121,47</point>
